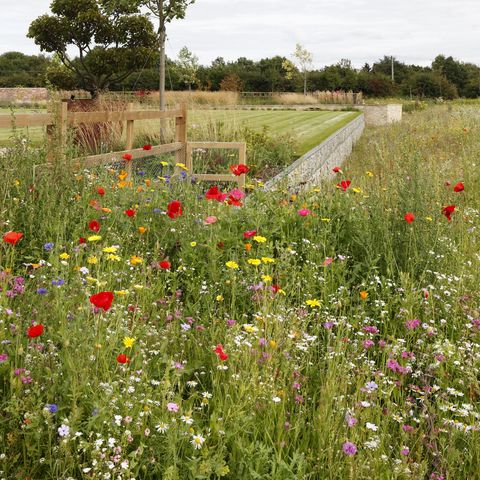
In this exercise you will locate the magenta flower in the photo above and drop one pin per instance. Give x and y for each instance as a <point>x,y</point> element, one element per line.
<point>172,407</point>
<point>304,212</point>
<point>349,449</point>
<point>413,324</point>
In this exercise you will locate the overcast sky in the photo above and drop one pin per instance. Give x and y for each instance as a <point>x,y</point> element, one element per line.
<point>415,31</point>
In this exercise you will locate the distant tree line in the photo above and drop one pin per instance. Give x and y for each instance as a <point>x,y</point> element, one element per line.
<point>446,77</point>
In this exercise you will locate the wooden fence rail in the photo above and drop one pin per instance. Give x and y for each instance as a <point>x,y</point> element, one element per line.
<point>58,122</point>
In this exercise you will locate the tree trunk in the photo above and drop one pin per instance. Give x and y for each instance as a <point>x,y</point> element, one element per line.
<point>162,36</point>
<point>305,83</point>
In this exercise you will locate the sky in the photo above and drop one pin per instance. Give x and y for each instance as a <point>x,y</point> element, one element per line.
<point>414,31</point>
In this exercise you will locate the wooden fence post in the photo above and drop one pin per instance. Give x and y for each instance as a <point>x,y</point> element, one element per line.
<point>129,139</point>
<point>242,158</point>
<point>181,133</point>
<point>57,133</point>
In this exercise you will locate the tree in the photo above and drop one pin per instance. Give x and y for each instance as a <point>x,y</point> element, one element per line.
<point>187,65</point>
<point>165,11</point>
<point>231,83</point>
<point>20,70</point>
<point>112,39</point>
<point>304,59</point>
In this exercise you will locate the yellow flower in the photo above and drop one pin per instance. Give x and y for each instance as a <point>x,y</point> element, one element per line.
<point>113,258</point>
<point>293,197</point>
<point>267,278</point>
<point>122,175</point>
<point>357,190</point>
<point>369,174</point>
<point>64,256</point>
<point>250,328</point>
<point>134,260</point>
<point>232,264</point>
<point>139,287</point>
<point>259,239</point>
<point>128,342</point>
<point>16,183</point>
<point>268,260</point>
<point>182,166</point>
<point>94,238</point>
<point>142,230</point>
<point>254,261</point>
<point>165,164</point>
<point>219,298</point>
<point>121,292</point>
<point>326,220</point>
<point>429,219</point>
<point>92,260</point>
<point>112,249</point>
<point>122,184</point>
<point>363,295</point>
<point>273,344</point>
<point>193,244</point>
<point>313,303</point>
<point>316,190</point>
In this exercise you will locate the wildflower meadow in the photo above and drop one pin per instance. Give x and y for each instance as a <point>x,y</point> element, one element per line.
<point>155,327</point>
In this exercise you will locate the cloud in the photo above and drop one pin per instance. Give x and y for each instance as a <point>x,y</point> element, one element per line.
<point>415,31</point>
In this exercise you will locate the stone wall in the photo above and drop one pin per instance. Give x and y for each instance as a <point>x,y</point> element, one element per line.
<point>317,164</point>
<point>377,115</point>
<point>27,95</point>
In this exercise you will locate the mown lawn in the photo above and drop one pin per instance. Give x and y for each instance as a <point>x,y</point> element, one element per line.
<point>308,128</point>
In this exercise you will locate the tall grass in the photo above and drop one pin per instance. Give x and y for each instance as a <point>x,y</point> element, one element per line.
<point>352,337</point>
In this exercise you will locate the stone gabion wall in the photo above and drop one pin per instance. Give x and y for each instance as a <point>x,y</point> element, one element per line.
<point>377,115</point>
<point>317,164</point>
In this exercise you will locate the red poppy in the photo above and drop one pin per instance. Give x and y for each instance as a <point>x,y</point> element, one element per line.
<point>276,288</point>
<point>94,226</point>
<point>101,191</point>
<point>239,169</point>
<point>409,217</point>
<point>122,358</point>
<point>344,184</point>
<point>147,147</point>
<point>233,201</point>
<point>174,209</point>
<point>165,265</point>
<point>249,233</point>
<point>214,193</point>
<point>129,212</point>
<point>82,240</point>
<point>35,331</point>
<point>12,237</point>
<point>127,157</point>
<point>221,354</point>
<point>448,210</point>
<point>459,187</point>
<point>337,170</point>
<point>102,300</point>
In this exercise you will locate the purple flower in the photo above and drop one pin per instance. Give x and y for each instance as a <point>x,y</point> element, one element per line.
<point>42,291</point>
<point>413,324</point>
<point>349,449</point>
<point>48,246</point>
<point>172,407</point>
<point>405,451</point>
<point>51,407</point>
<point>3,357</point>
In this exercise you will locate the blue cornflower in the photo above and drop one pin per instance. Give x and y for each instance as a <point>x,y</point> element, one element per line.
<point>48,246</point>
<point>51,407</point>
<point>42,291</point>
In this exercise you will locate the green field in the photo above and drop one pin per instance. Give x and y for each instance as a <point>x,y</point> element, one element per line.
<point>308,128</point>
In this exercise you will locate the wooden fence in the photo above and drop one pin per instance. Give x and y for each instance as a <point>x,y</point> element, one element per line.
<point>58,122</point>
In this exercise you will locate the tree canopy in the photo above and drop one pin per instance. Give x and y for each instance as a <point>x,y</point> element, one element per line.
<point>112,39</point>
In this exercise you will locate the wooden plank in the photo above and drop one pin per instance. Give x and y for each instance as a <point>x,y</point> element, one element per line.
<point>114,157</point>
<point>27,120</point>
<point>106,116</point>
<point>211,177</point>
<point>207,145</point>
